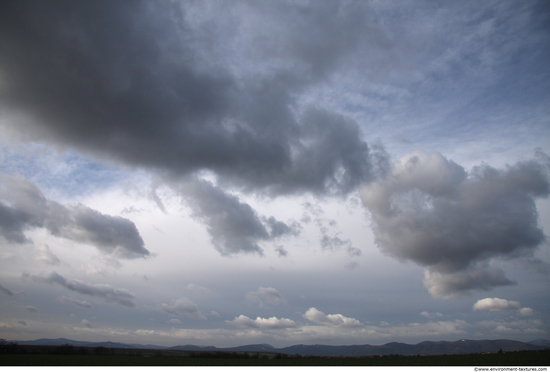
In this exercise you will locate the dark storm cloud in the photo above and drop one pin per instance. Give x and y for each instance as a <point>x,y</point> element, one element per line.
<point>429,210</point>
<point>234,226</point>
<point>141,82</point>
<point>104,292</point>
<point>28,208</point>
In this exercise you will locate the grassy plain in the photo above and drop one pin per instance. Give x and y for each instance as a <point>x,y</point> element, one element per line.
<point>504,359</point>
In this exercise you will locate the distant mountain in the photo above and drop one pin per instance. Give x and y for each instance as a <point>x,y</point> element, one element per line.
<point>395,348</point>
<point>64,341</point>
<point>423,348</point>
<point>540,342</point>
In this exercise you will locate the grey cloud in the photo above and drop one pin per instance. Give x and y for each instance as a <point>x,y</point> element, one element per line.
<point>314,36</point>
<point>6,291</point>
<point>46,255</point>
<point>281,251</point>
<point>68,300</point>
<point>28,208</point>
<point>279,228</point>
<point>233,225</point>
<point>152,96</point>
<point>86,323</point>
<point>265,296</point>
<point>429,210</point>
<point>31,309</point>
<point>102,291</point>
<point>442,285</point>
<point>335,243</point>
<point>183,307</point>
<point>22,322</point>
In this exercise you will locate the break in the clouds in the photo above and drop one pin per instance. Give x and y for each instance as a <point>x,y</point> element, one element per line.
<point>23,207</point>
<point>103,292</point>
<point>433,212</point>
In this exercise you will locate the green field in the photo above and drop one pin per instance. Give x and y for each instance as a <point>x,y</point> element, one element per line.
<point>503,359</point>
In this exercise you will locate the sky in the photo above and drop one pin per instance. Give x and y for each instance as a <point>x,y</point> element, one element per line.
<point>284,172</point>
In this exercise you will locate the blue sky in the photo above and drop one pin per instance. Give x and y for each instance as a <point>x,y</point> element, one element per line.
<point>227,173</point>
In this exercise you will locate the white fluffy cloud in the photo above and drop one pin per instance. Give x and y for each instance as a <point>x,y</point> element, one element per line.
<point>496,304</point>
<point>499,304</point>
<point>243,321</point>
<point>337,320</point>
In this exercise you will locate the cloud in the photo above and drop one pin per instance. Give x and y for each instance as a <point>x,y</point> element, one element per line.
<point>496,304</point>
<point>265,296</point>
<point>335,243</point>
<point>46,255</point>
<point>174,321</point>
<point>28,208</point>
<point>429,210</point>
<point>159,96</point>
<point>526,311</point>
<point>430,316</point>
<point>104,292</point>
<point>499,304</point>
<point>31,309</point>
<point>6,291</point>
<point>234,226</point>
<point>68,300</point>
<point>183,307</point>
<point>86,323</point>
<point>463,282</point>
<point>192,287</point>
<point>281,251</point>
<point>243,321</point>
<point>337,320</point>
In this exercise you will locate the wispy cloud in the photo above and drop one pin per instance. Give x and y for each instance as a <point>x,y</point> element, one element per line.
<point>104,292</point>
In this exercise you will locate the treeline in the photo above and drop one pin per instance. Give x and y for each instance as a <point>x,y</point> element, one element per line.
<point>66,349</point>
<point>241,355</point>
